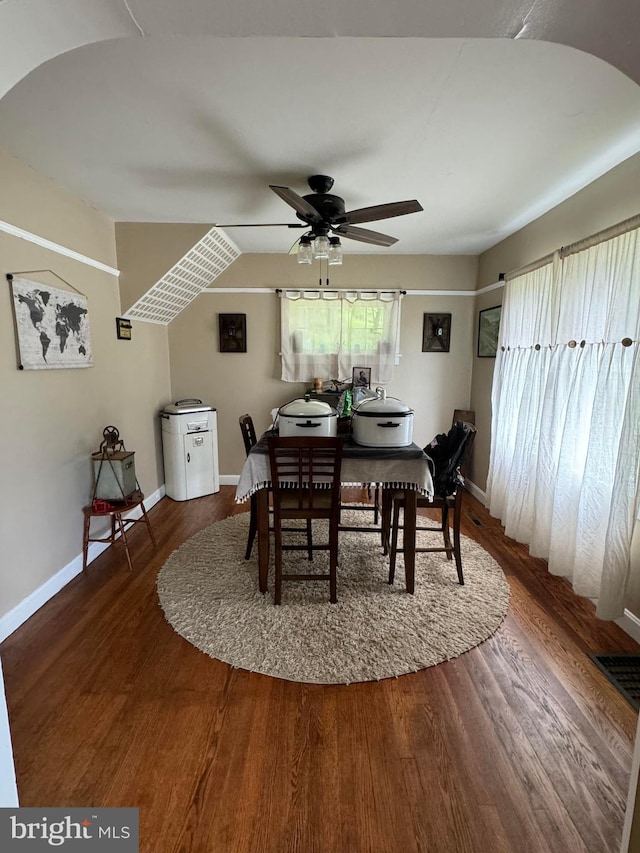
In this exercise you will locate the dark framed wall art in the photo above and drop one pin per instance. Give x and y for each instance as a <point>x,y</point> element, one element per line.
<point>233,332</point>
<point>436,333</point>
<point>123,329</point>
<point>488,329</point>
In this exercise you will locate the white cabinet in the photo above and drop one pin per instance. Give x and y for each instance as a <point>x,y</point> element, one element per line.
<point>190,450</point>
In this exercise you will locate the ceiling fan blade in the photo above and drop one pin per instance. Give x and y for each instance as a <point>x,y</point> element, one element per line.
<point>299,204</point>
<point>262,225</point>
<point>381,211</point>
<point>364,235</point>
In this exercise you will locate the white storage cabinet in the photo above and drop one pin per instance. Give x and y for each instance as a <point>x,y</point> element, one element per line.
<point>190,450</point>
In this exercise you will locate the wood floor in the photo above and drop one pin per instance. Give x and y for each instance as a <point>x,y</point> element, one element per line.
<point>520,745</point>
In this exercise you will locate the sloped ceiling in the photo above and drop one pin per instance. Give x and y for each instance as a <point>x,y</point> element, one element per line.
<point>157,111</point>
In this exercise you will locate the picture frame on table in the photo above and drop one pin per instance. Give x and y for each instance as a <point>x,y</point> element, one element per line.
<point>361,377</point>
<point>488,330</point>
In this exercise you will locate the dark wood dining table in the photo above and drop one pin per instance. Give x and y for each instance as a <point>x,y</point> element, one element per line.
<point>401,468</point>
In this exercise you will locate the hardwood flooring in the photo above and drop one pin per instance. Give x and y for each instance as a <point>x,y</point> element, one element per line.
<point>521,745</point>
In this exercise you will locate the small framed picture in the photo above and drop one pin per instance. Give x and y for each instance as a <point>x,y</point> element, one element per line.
<point>436,333</point>
<point>488,328</point>
<point>123,329</point>
<point>361,377</point>
<point>233,332</point>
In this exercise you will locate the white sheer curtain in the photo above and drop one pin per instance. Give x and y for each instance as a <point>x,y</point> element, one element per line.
<point>564,471</point>
<point>327,332</point>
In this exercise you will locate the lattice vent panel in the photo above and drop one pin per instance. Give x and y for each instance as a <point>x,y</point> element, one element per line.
<point>193,273</point>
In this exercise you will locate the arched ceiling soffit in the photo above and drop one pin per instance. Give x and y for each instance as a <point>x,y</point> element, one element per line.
<point>35,31</point>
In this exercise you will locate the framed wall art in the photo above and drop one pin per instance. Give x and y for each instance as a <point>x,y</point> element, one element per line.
<point>123,329</point>
<point>436,333</point>
<point>233,332</point>
<point>52,325</point>
<point>488,328</point>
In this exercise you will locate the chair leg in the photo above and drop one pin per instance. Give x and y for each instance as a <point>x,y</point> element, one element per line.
<point>123,537</point>
<point>145,518</point>
<point>333,563</point>
<point>277,594</point>
<point>457,512</point>
<point>376,505</point>
<point>85,542</point>
<point>445,531</point>
<point>253,526</point>
<point>386,521</point>
<point>309,539</point>
<point>394,541</point>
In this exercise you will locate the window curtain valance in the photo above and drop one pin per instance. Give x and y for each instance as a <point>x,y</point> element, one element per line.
<point>564,470</point>
<point>327,332</point>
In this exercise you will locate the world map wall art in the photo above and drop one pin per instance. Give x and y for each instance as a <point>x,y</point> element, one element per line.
<point>52,326</point>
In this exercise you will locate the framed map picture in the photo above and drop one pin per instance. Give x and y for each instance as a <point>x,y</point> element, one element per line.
<point>488,328</point>
<point>52,326</point>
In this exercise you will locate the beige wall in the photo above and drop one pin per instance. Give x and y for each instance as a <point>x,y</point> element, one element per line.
<point>52,420</point>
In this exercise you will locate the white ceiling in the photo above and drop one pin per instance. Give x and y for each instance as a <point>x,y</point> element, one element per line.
<point>184,126</point>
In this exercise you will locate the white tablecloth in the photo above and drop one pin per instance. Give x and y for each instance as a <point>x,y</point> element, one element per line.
<point>406,468</point>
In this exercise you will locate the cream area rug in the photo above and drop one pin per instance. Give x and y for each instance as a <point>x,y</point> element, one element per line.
<point>209,594</point>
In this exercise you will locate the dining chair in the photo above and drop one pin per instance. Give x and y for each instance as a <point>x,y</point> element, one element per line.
<point>249,437</point>
<point>305,482</point>
<point>448,497</point>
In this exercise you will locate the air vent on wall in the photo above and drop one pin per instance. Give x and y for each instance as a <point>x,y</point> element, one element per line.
<point>193,273</point>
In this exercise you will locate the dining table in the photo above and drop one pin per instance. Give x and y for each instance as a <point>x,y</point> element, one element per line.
<point>406,468</point>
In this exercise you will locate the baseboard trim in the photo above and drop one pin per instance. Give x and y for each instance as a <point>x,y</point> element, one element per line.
<point>16,617</point>
<point>476,492</point>
<point>229,479</point>
<point>630,624</point>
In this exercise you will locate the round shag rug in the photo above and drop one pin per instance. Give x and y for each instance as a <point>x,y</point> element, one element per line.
<point>209,594</point>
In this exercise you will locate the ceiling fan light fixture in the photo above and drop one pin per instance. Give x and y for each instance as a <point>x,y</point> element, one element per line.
<point>305,253</point>
<point>321,247</point>
<point>335,251</point>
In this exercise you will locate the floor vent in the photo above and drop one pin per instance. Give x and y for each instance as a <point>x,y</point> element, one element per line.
<point>193,273</point>
<point>623,671</point>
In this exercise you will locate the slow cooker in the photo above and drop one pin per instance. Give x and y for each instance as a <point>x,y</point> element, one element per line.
<point>382,421</point>
<point>304,416</point>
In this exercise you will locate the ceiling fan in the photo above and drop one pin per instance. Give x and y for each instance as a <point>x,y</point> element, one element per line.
<point>323,213</point>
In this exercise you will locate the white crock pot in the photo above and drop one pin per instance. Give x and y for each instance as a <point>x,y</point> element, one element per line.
<point>382,421</point>
<point>307,417</point>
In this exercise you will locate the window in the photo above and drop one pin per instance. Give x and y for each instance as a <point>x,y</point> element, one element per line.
<point>324,333</point>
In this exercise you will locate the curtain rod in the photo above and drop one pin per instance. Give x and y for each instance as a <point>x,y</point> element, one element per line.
<point>579,246</point>
<point>344,289</point>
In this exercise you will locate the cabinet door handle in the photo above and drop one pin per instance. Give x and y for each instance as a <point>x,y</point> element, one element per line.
<point>188,457</point>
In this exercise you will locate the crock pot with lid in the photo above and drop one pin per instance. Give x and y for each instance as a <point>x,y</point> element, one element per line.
<point>382,421</point>
<point>304,416</point>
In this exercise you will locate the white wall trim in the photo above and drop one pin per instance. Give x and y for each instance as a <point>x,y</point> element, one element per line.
<point>489,287</point>
<point>56,247</point>
<point>12,620</point>
<point>229,479</point>
<point>476,492</point>
<point>630,624</point>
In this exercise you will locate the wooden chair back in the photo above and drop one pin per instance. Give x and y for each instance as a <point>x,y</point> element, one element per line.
<point>305,476</point>
<point>248,432</point>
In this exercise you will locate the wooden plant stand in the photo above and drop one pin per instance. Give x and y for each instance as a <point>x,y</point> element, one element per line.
<point>119,525</point>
